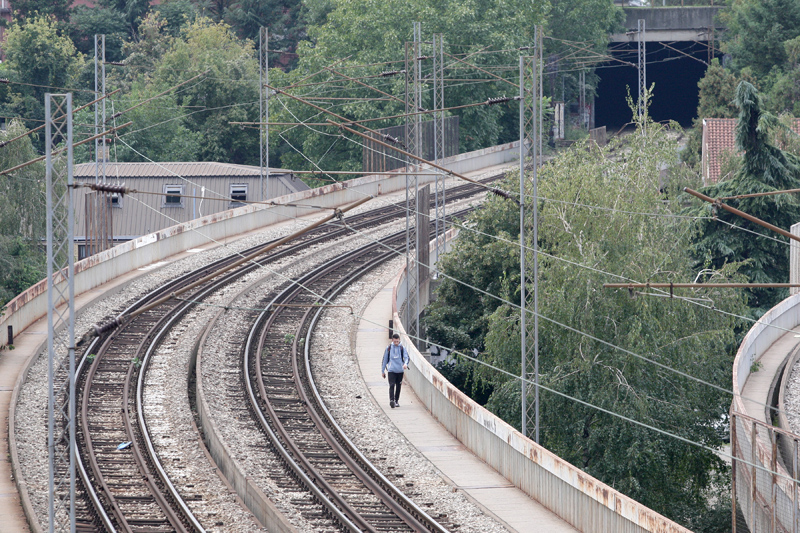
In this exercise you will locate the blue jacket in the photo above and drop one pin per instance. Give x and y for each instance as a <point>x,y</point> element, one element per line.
<point>395,357</point>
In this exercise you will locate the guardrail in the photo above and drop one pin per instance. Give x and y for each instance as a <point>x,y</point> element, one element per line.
<point>765,491</point>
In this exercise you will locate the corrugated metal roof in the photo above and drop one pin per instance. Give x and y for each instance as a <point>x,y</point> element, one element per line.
<point>162,170</point>
<point>719,136</point>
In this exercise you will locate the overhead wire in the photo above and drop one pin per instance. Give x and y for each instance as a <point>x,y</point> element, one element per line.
<point>556,392</point>
<point>691,301</point>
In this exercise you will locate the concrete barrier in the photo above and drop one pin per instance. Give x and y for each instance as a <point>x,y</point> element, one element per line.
<point>251,495</point>
<point>581,500</point>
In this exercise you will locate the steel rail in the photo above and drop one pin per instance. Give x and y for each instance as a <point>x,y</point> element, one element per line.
<point>378,484</point>
<point>275,439</point>
<point>115,510</point>
<point>94,499</point>
<point>326,418</point>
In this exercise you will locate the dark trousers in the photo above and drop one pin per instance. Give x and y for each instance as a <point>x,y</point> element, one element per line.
<point>395,382</point>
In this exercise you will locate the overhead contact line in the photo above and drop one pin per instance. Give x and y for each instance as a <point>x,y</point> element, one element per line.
<point>159,95</point>
<point>718,203</point>
<point>42,158</point>
<point>495,190</point>
<point>99,329</point>
<point>81,108</point>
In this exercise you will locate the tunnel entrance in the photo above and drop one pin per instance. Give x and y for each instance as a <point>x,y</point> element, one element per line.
<point>674,68</point>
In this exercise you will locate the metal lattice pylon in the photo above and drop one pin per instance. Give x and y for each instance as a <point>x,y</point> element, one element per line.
<point>60,314</point>
<point>642,67</point>
<point>583,106</point>
<point>263,109</point>
<point>439,141</point>
<point>100,146</point>
<point>530,131</point>
<point>414,144</point>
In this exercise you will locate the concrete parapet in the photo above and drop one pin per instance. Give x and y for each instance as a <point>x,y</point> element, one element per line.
<point>576,497</point>
<point>766,500</point>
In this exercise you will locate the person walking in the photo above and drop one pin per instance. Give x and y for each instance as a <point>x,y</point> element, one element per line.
<point>395,357</point>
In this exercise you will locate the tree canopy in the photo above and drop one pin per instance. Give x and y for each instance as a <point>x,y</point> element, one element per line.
<point>606,215</point>
<point>22,216</point>
<point>41,59</point>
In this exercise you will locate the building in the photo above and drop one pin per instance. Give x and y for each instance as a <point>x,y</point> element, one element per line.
<point>719,141</point>
<point>167,194</point>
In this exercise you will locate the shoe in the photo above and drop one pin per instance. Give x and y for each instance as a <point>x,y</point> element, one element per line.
<point>396,403</point>
<point>392,404</point>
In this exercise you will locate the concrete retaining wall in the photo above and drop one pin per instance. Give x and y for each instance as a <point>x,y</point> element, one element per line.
<point>567,491</point>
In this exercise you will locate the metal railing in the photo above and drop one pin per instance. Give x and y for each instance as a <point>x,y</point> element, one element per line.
<point>764,475</point>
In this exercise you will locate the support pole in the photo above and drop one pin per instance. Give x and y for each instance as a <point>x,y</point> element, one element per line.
<point>439,141</point>
<point>642,67</point>
<point>413,141</point>
<point>60,321</point>
<point>584,111</point>
<point>263,107</point>
<point>530,72</point>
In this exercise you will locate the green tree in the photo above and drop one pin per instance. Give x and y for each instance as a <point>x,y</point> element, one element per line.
<point>757,30</point>
<point>717,93</point>
<point>147,49</point>
<point>784,96</point>
<point>22,216</point>
<point>87,22</point>
<point>372,35</point>
<point>158,132</point>
<point>764,167</point>
<point>284,20</point>
<point>227,93</point>
<point>132,11</point>
<point>60,9</point>
<point>605,210</point>
<point>42,60</point>
<point>178,12</point>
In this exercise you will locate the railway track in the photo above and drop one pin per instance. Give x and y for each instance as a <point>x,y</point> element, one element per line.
<point>123,487</point>
<point>291,412</point>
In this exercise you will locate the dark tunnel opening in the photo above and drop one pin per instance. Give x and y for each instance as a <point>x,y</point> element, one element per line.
<point>674,74</point>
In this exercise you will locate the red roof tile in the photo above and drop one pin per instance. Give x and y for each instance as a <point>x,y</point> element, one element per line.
<point>719,139</point>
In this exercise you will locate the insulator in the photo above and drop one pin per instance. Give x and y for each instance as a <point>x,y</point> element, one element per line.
<point>108,187</point>
<point>387,73</point>
<point>107,326</point>
<point>498,100</point>
<point>389,138</point>
<point>4,80</point>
